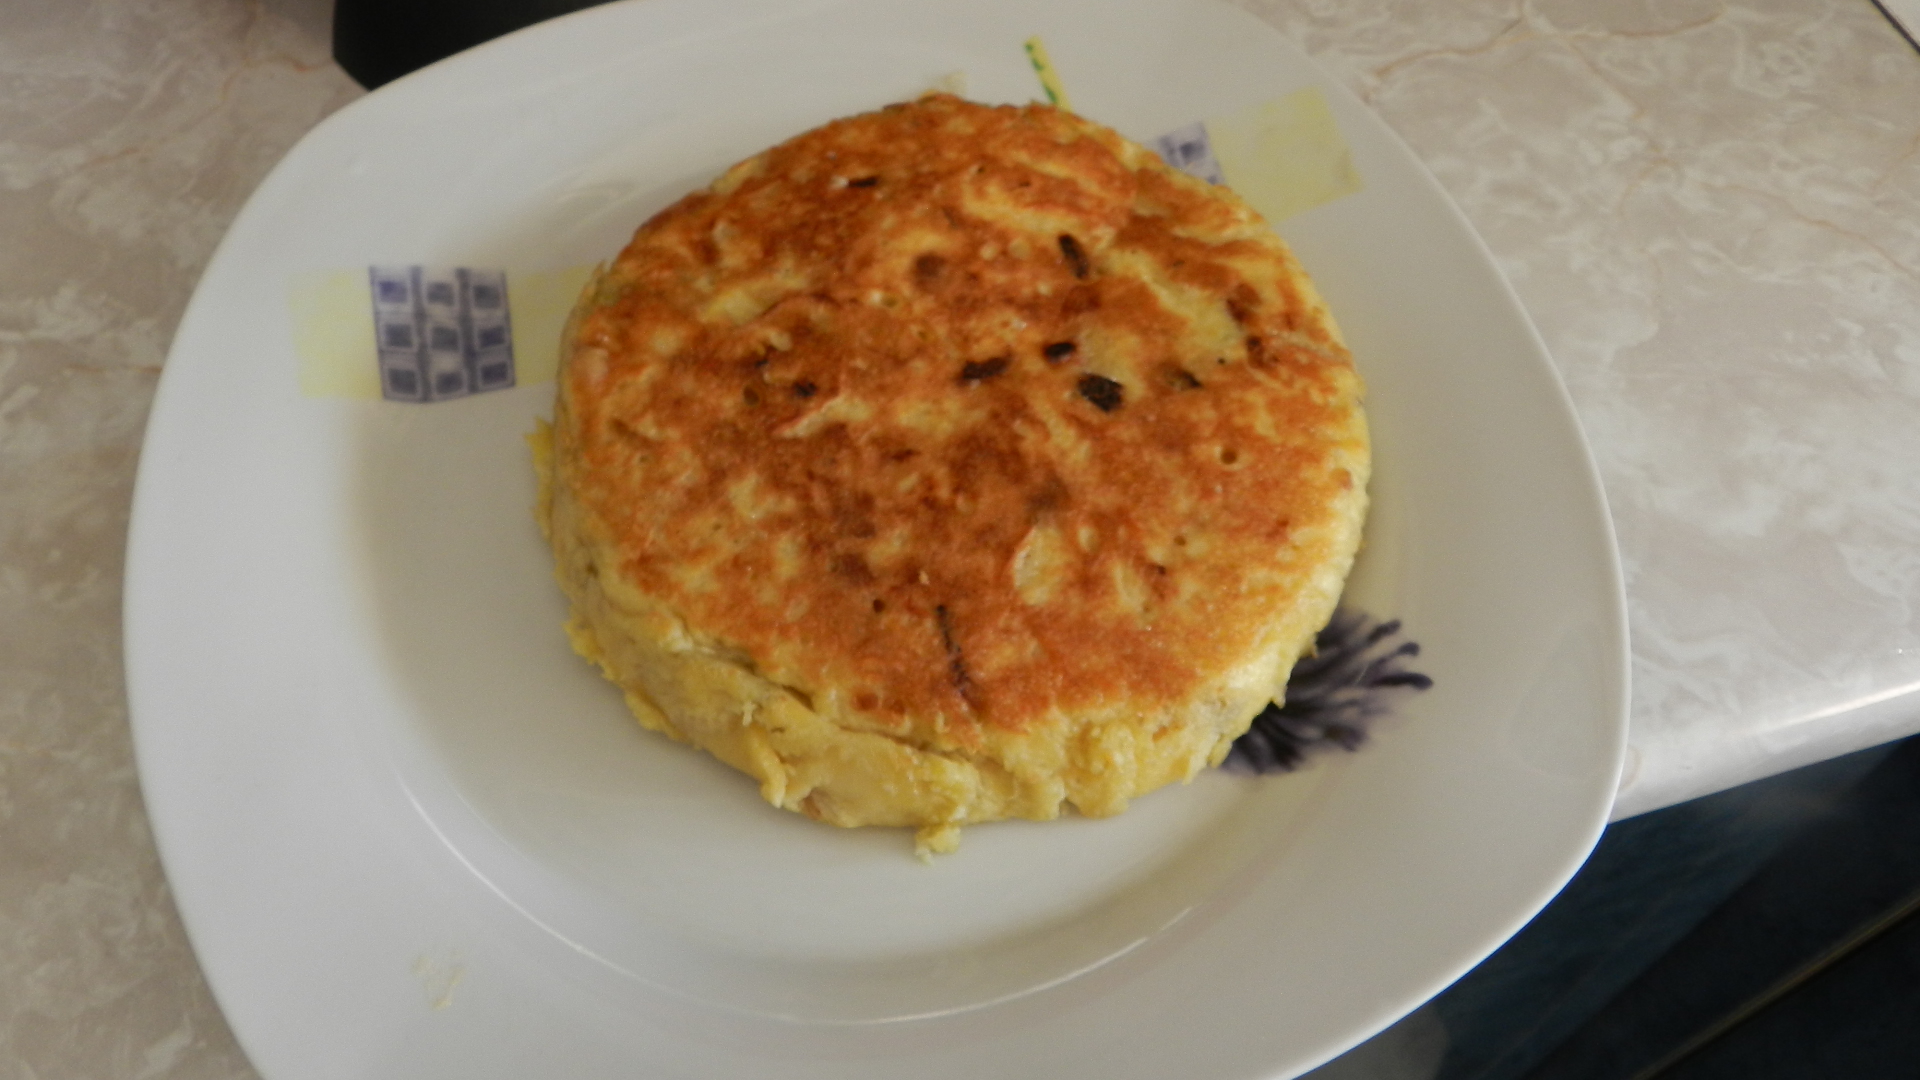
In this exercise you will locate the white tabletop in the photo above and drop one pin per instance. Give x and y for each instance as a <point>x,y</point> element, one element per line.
<point>1711,211</point>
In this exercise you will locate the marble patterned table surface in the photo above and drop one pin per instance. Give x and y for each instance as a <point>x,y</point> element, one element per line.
<point>1711,210</point>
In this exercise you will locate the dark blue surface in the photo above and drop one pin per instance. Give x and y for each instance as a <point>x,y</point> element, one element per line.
<point>1860,1020</point>
<point>1649,883</point>
<point>1771,932</point>
<point>1844,871</point>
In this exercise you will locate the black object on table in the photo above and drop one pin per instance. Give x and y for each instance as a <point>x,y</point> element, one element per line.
<point>377,41</point>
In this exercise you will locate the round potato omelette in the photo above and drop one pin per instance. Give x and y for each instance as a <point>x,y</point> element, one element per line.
<point>951,463</point>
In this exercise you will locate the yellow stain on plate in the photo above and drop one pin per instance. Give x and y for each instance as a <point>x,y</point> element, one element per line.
<point>439,974</point>
<point>1284,156</point>
<point>333,328</point>
<point>1049,78</point>
<point>333,334</point>
<point>539,305</point>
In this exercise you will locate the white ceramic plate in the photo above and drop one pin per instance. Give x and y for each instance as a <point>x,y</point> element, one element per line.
<point>413,836</point>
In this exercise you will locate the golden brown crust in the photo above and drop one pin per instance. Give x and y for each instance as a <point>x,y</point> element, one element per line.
<point>965,430</point>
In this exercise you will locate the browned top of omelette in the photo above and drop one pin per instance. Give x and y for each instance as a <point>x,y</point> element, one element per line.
<point>968,417</point>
